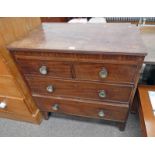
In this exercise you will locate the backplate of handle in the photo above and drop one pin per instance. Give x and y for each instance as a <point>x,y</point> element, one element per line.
<point>103,73</point>
<point>3,105</point>
<point>50,88</point>
<point>55,107</point>
<point>101,113</point>
<point>102,94</point>
<point>43,70</point>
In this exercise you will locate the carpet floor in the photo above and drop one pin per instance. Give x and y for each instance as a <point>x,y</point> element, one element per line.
<point>66,126</point>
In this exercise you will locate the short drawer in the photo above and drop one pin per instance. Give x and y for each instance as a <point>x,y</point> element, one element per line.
<point>86,90</point>
<point>45,68</point>
<point>8,87</point>
<point>10,105</point>
<point>116,73</point>
<point>83,108</point>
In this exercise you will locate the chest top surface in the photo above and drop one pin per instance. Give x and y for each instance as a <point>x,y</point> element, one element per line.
<point>89,38</point>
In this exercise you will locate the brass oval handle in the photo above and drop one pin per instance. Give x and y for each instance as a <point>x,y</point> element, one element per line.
<point>55,107</point>
<point>101,113</point>
<point>102,93</point>
<point>43,70</point>
<point>50,88</point>
<point>103,73</point>
<point>3,105</point>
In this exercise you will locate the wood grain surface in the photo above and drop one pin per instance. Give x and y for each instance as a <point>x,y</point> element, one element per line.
<point>54,68</point>
<point>83,108</point>
<point>76,53</point>
<point>95,38</point>
<point>90,71</point>
<point>147,116</point>
<point>79,89</point>
<point>4,71</point>
<point>20,105</point>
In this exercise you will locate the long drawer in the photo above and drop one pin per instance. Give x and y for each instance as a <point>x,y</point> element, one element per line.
<point>83,108</point>
<point>10,105</point>
<point>80,89</point>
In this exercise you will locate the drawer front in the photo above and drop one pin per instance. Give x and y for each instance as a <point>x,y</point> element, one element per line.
<point>83,108</point>
<point>8,87</point>
<point>49,68</point>
<point>106,72</point>
<point>86,90</point>
<point>16,106</point>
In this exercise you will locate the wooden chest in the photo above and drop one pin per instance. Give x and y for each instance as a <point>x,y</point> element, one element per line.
<point>88,70</point>
<point>16,101</point>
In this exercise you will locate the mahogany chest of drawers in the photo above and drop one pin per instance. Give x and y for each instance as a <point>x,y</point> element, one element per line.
<point>88,70</point>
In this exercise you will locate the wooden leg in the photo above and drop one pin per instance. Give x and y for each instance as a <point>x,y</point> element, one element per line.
<point>46,115</point>
<point>122,126</point>
<point>134,105</point>
<point>133,108</point>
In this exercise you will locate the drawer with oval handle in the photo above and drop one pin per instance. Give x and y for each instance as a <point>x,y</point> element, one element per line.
<point>116,73</point>
<point>45,68</point>
<point>85,90</point>
<point>84,108</point>
<point>15,106</point>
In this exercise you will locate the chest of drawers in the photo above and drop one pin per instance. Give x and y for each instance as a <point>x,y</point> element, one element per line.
<point>88,70</point>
